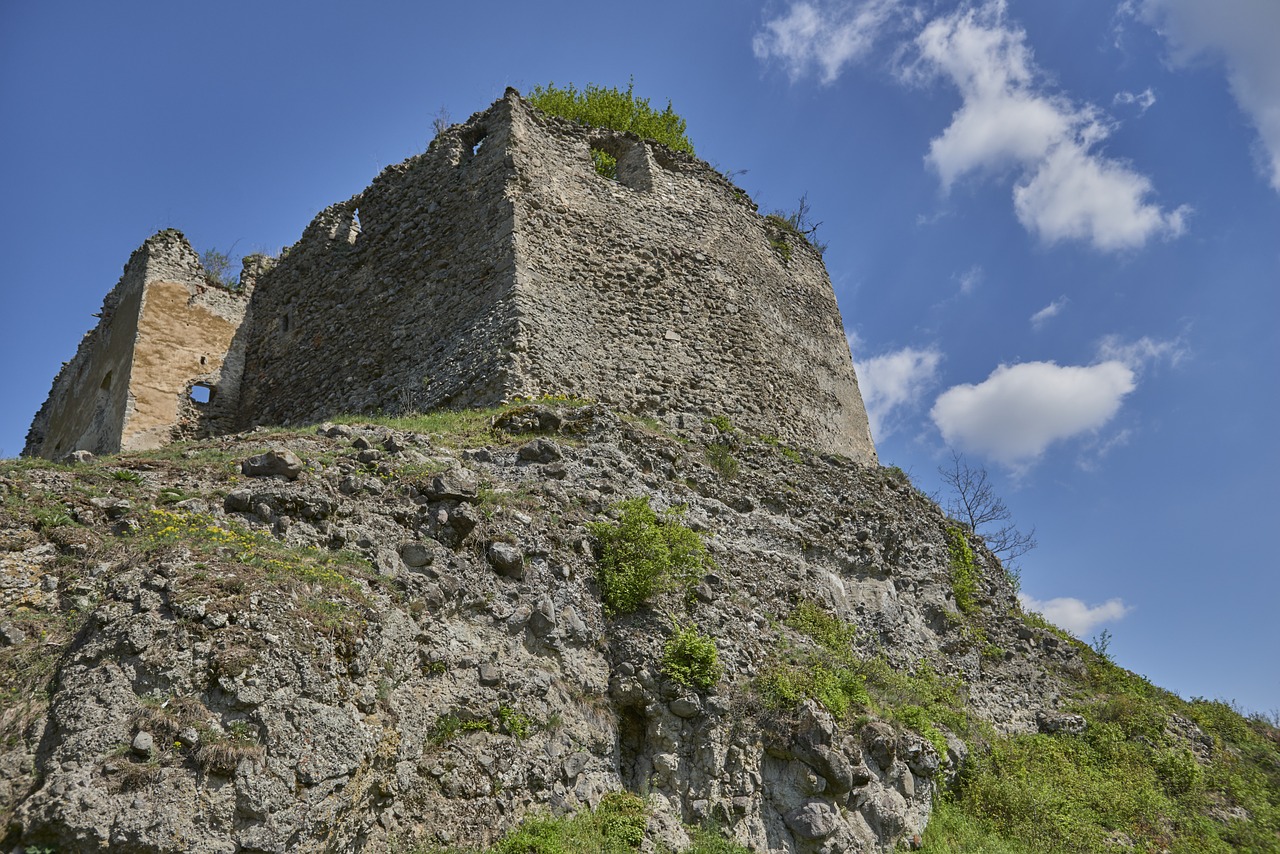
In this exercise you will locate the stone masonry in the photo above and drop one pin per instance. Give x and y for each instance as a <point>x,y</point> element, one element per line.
<point>163,362</point>
<point>498,265</point>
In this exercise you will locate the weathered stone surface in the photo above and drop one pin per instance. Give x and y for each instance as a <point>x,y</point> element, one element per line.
<point>540,451</point>
<point>416,554</point>
<point>474,274</point>
<point>814,820</point>
<point>337,699</point>
<point>163,362</point>
<point>507,559</point>
<point>458,485</point>
<point>1060,722</point>
<point>277,462</point>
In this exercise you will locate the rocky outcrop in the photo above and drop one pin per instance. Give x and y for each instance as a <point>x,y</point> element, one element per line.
<point>390,637</point>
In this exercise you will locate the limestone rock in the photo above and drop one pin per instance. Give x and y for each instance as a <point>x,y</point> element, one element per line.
<point>1065,723</point>
<point>277,462</point>
<point>507,559</point>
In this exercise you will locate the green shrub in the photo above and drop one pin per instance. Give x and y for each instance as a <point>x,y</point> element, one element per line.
<point>720,458</point>
<point>690,658</point>
<point>918,719</point>
<point>838,689</point>
<point>622,817</point>
<point>612,108</point>
<point>832,633</point>
<point>606,164</point>
<point>218,269</point>
<point>964,575</point>
<point>720,422</point>
<point>706,840</point>
<point>643,554</point>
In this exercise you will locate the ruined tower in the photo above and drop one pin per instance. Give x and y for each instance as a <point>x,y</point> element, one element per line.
<point>499,264</point>
<point>163,362</point>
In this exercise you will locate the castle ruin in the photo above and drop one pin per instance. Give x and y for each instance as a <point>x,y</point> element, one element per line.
<point>497,265</point>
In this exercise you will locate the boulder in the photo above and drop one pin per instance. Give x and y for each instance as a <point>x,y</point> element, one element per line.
<point>277,462</point>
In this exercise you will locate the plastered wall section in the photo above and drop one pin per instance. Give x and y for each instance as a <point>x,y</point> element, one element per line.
<point>162,331</point>
<point>398,299</point>
<point>666,292</point>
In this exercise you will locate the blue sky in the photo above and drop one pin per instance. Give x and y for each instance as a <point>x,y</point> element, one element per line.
<point>1054,230</point>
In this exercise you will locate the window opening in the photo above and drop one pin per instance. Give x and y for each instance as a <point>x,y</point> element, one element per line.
<point>606,164</point>
<point>201,393</point>
<point>106,381</point>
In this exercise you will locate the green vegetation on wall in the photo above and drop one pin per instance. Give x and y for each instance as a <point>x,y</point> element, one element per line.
<point>964,575</point>
<point>608,107</point>
<point>643,554</point>
<point>690,658</point>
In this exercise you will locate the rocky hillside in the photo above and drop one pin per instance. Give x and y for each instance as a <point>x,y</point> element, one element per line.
<point>551,628</point>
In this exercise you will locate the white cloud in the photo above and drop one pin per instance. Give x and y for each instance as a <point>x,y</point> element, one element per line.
<point>1075,195</point>
<point>1245,34</point>
<point>1007,120</point>
<point>1051,310</point>
<point>1074,615</point>
<point>893,381</point>
<point>1142,352</point>
<point>1020,410</point>
<point>1144,99</point>
<point>822,36</point>
<point>970,279</point>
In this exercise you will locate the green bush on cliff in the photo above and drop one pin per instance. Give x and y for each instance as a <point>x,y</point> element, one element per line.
<point>608,107</point>
<point>690,658</point>
<point>644,554</point>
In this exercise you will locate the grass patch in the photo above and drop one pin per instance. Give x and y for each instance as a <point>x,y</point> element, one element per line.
<point>206,535</point>
<point>1128,778</point>
<point>506,720</point>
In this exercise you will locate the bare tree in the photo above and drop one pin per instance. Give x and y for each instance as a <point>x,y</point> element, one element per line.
<point>440,123</point>
<point>973,501</point>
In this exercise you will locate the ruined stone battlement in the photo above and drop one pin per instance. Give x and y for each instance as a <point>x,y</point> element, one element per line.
<point>497,264</point>
<point>163,362</point>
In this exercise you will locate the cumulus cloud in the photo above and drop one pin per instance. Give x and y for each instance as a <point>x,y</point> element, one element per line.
<point>1075,195</point>
<point>822,36</point>
<point>1243,34</point>
<point>1074,615</point>
<point>892,382</point>
<point>1020,410</point>
<point>1008,121</point>
<point>1049,312</point>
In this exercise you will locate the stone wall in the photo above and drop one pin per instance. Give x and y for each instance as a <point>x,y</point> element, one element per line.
<point>499,264</point>
<point>163,331</point>
<point>399,298</point>
<point>665,292</point>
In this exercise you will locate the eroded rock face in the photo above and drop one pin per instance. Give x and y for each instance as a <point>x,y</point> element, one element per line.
<point>466,673</point>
